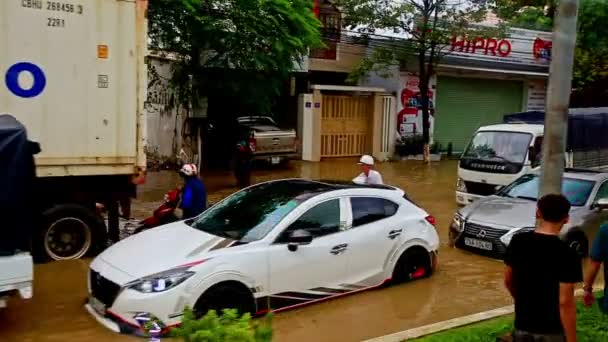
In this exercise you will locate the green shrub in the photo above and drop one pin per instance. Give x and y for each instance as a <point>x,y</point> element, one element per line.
<point>228,327</point>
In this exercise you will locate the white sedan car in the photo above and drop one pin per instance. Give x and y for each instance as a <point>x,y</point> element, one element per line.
<point>270,247</point>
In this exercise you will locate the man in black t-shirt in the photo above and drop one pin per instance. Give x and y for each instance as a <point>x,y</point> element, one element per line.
<point>541,273</point>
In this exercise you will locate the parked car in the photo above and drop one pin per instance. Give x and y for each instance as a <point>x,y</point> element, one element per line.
<point>268,142</point>
<point>487,225</point>
<point>272,246</point>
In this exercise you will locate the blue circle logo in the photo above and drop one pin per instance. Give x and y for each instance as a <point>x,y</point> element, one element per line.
<point>12,79</point>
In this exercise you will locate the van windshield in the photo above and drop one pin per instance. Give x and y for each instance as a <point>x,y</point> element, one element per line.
<point>510,147</point>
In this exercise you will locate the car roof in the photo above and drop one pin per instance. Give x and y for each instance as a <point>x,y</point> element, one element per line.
<point>584,174</point>
<point>310,188</point>
<point>515,127</point>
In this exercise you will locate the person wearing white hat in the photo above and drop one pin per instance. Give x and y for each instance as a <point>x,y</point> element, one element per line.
<point>368,175</point>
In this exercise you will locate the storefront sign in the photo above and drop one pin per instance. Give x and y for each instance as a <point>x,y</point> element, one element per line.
<point>488,46</point>
<point>537,94</point>
<point>521,46</point>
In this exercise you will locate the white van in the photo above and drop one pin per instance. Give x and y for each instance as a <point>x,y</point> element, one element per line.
<point>495,157</point>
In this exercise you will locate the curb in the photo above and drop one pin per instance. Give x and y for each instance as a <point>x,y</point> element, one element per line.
<point>450,324</point>
<point>445,325</point>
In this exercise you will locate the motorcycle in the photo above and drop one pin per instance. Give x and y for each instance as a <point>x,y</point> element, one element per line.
<point>164,214</point>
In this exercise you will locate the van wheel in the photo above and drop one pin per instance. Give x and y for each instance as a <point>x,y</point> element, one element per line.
<point>68,232</point>
<point>227,295</point>
<point>579,243</point>
<point>414,263</point>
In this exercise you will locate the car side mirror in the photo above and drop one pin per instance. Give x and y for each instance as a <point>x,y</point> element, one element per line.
<point>498,188</point>
<point>601,204</point>
<point>298,238</point>
<point>533,156</point>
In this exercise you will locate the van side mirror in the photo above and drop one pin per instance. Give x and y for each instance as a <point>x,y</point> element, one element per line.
<point>601,204</point>
<point>533,156</point>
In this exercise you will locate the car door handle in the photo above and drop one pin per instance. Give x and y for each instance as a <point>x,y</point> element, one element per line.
<point>339,249</point>
<point>393,234</point>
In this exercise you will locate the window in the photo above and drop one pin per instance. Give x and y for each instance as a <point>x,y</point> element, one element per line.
<point>367,210</point>
<point>577,191</point>
<point>509,147</point>
<point>250,214</point>
<point>602,192</point>
<point>321,220</point>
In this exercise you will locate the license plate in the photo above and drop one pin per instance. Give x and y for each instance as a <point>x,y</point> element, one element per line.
<point>275,160</point>
<point>97,305</point>
<point>478,244</point>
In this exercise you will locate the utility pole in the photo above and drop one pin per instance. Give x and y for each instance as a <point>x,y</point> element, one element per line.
<point>558,97</point>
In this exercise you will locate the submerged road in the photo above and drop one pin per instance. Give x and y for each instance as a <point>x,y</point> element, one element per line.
<point>464,283</point>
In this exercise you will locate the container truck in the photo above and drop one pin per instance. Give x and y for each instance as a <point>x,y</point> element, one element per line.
<point>499,154</point>
<point>73,73</point>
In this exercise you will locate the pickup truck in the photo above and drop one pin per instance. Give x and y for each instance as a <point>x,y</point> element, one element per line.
<point>267,141</point>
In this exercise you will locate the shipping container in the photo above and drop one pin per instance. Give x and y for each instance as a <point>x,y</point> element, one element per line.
<point>75,77</point>
<point>73,72</point>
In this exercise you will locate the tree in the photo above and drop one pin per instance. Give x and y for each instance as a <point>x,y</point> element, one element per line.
<point>590,79</point>
<point>427,27</point>
<point>245,48</point>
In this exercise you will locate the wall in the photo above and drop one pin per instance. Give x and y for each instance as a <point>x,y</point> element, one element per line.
<point>348,56</point>
<point>165,122</point>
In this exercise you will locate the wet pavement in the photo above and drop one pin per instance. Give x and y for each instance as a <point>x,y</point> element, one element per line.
<point>464,283</point>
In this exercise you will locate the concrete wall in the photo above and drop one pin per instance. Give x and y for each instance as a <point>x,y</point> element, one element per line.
<point>392,83</point>
<point>348,56</point>
<point>165,121</point>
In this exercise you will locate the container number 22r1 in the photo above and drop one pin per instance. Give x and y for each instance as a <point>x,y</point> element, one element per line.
<point>56,22</point>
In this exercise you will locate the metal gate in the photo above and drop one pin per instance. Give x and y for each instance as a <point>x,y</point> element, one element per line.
<point>345,125</point>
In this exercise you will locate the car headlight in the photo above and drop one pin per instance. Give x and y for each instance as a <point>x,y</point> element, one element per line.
<point>162,281</point>
<point>458,222</point>
<point>506,239</point>
<point>460,185</point>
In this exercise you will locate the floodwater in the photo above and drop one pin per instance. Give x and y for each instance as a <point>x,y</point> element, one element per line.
<point>464,283</point>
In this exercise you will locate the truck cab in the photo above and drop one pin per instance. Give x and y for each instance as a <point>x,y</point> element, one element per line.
<point>495,157</point>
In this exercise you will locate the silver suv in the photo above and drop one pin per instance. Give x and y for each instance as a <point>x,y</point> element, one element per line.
<point>487,225</point>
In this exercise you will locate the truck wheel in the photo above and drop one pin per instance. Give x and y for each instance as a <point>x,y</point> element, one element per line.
<point>69,232</point>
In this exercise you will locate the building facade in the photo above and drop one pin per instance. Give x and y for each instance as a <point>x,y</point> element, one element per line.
<point>476,84</point>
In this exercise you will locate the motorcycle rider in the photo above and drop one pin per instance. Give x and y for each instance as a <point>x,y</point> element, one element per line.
<point>194,195</point>
<point>242,167</point>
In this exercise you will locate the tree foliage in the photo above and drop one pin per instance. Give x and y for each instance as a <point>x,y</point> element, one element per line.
<point>590,78</point>
<point>425,29</point>
<point>245,48</point>
<point>530,14</point>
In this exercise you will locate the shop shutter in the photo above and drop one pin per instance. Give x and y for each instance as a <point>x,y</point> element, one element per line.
<point>465,104</point>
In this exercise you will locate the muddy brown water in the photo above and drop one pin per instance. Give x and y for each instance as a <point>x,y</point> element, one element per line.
<point>464,283</point>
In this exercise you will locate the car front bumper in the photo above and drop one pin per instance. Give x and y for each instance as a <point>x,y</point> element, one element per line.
<point>118,312</point>
<point>457,239</point>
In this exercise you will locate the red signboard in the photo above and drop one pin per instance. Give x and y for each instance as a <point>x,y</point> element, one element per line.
<point>487,46</point>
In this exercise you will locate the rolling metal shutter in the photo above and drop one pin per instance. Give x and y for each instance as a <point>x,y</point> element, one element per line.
<point>465,104</point>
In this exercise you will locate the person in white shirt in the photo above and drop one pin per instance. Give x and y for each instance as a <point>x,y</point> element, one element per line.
<point>369,175</point>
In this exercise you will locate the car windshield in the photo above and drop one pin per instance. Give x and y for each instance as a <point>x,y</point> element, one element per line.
<point>577,191</point>
<point>250,214</point>
<point>510,147</point>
